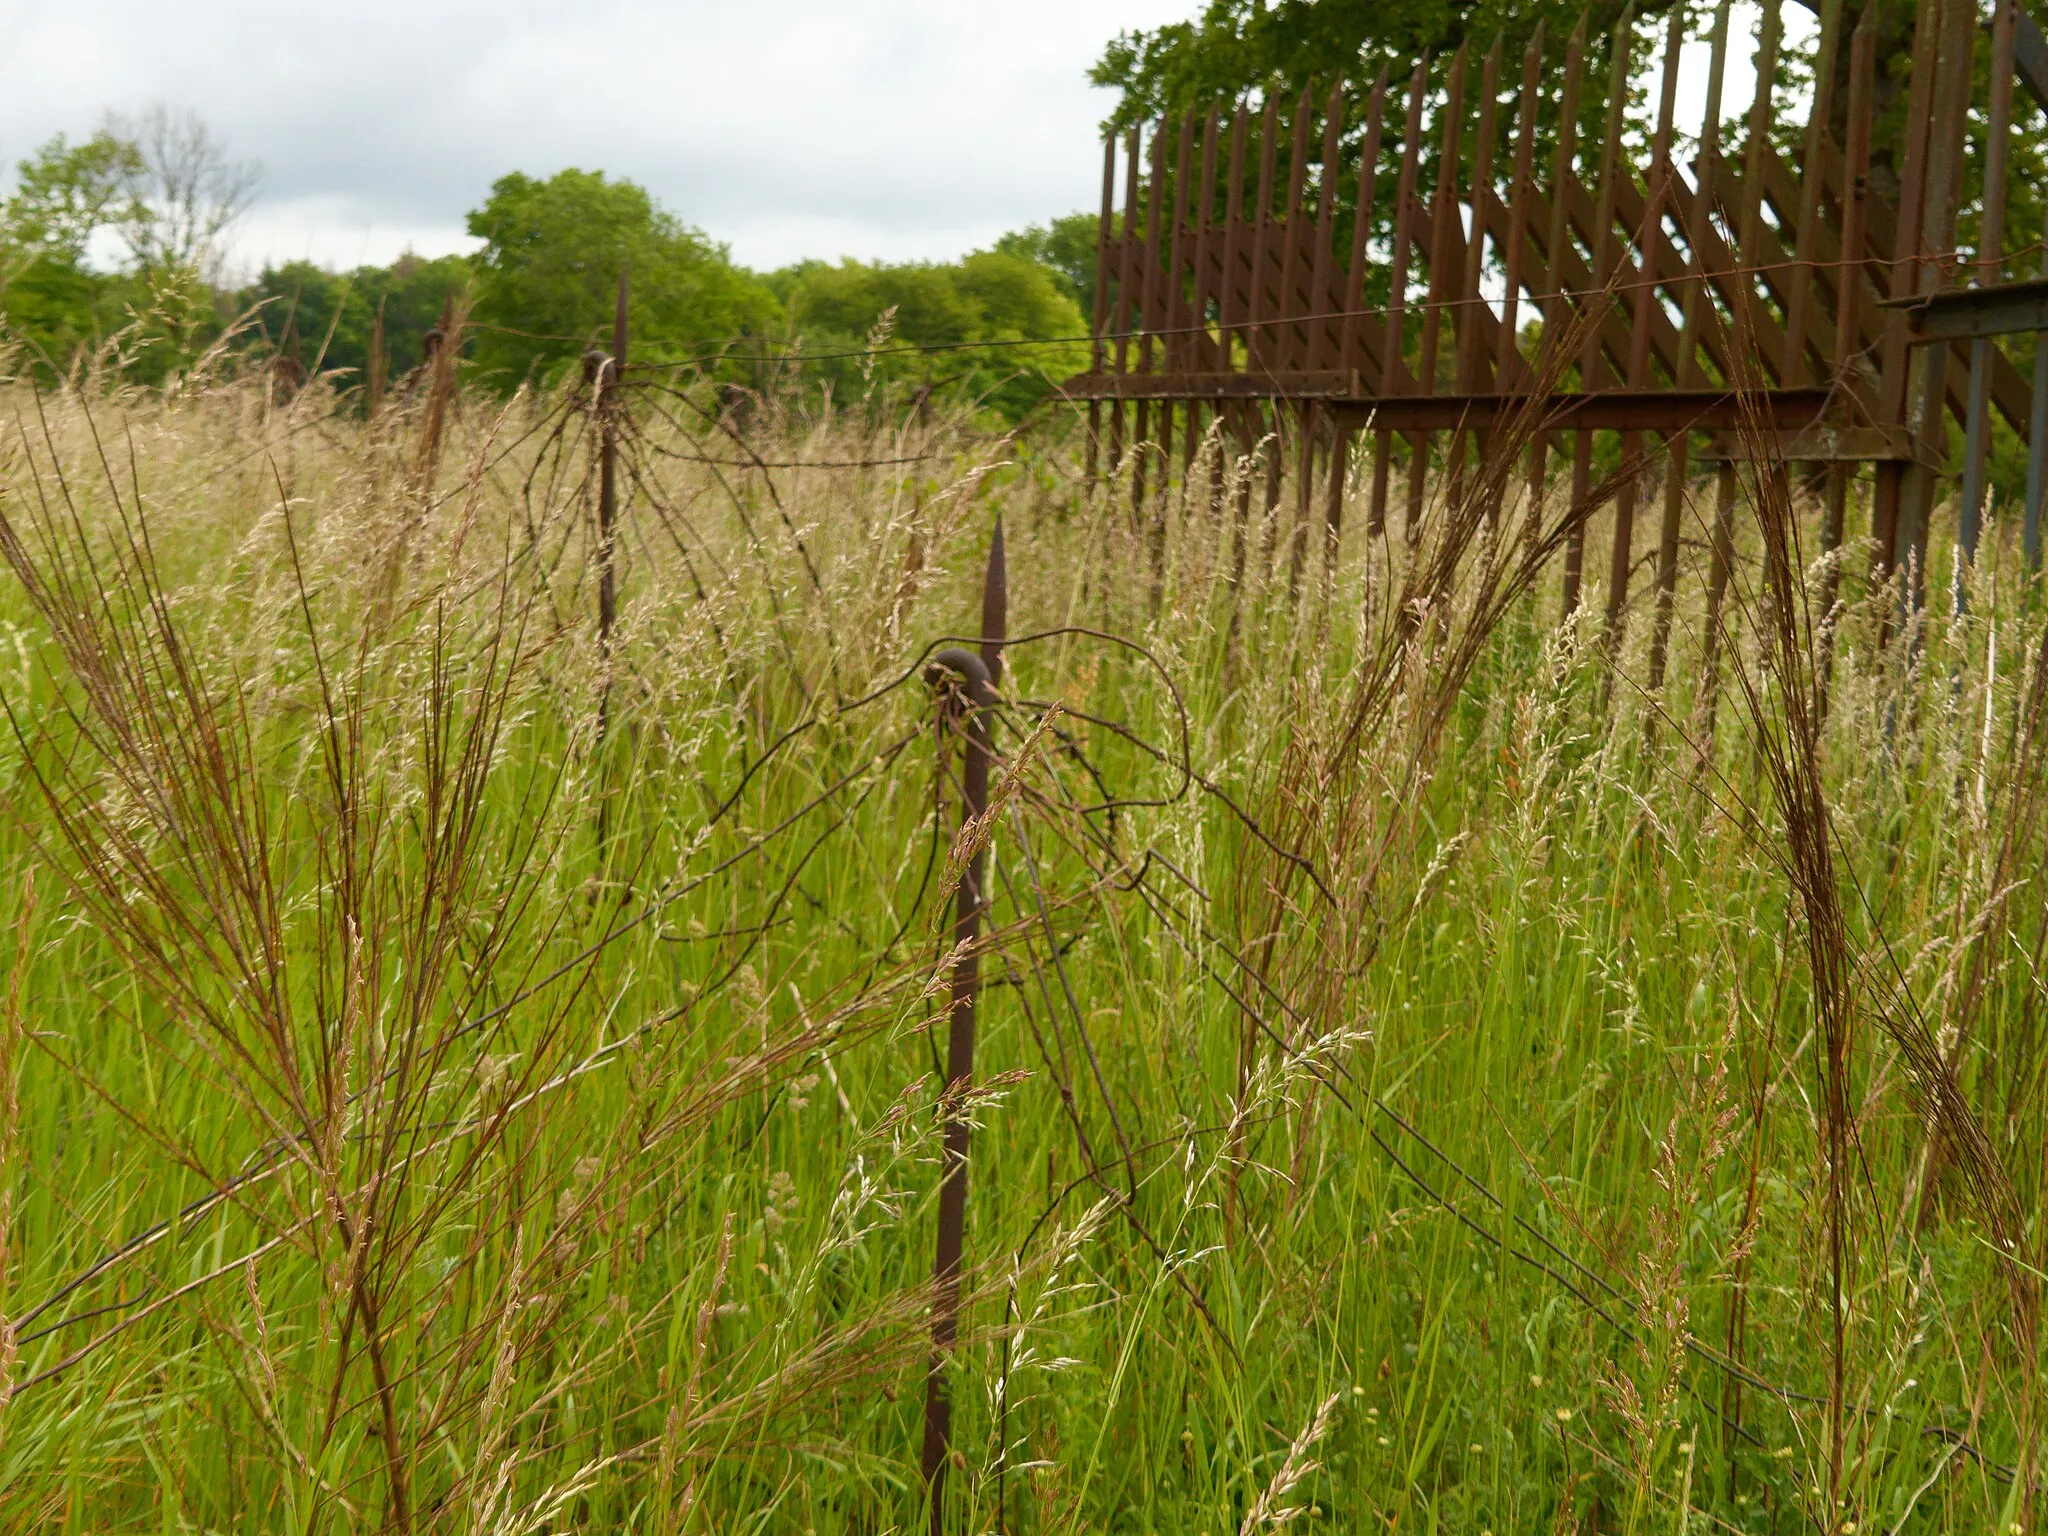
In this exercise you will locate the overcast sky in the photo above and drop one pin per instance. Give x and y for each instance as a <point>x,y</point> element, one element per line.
<point>787,128</point>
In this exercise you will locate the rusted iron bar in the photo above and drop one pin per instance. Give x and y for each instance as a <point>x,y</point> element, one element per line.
<point>1649,241</point>
<point>1465,320</point>
<point>2037,442</point>
<point>1692,218</point>
<point>1175,309</point>
<point>1821,443</point>
<point>1470,360</point>
<point>1893,372</point>
<point>1097,355</point>
<point>1557,309</point>
<point>1748,310</point>
<point>1127,254</point>
<point>1392,375</point>
<point>1745,315</point>
<point>1990,251</point>
<point>1509,366</point>
<point>2030,56</point>
<point>995,605</point>
<point>1943,205</point>
<point>1975,314</point>
<point>1311,425</point>
<point>1443,209</point>
<point>1126,286</point>
<point>1848,309</point>
<point>1283,339</point>
<point>1592,372</point>
<point>1261,342</point>
<point>1806,223</point>
<point>1361,218</point>
<point>1507,362</point>
<point>1288,348</point>
<point>966,706</point>
<point>1258,344</point>
<point>1143,446</point>
<point>1354,302</point>
<point>1441,234</point>
<point>1229,309</point>
<point>1203,351</point>
<point>1316,349</point>
<point>1720,564</point>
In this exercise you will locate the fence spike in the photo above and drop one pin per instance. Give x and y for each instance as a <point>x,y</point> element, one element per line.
<point>995,605</point>
<point>964,989</point>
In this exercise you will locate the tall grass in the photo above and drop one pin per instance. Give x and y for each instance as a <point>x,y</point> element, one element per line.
<point>456,1076</point>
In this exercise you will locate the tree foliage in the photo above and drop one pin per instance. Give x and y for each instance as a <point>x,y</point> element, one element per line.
<point>327,319</point>
<point>64,193</point>
<point>165,198</point>
<point>117,237</point>
<point>1066,248</point>
<point>1239,46</point>
<point>548,274</point>
<point>928,324</point>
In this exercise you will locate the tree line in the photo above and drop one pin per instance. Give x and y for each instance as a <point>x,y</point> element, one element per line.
<point>111,247</point>
<point>111,255</point>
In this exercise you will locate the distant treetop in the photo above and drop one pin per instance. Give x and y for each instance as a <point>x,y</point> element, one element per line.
<point>549,269</point>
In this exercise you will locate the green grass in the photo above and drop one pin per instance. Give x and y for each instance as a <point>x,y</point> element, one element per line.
<point>593,1052</point>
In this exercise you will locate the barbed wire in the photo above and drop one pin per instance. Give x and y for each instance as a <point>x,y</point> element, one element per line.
<point>1949,262</point>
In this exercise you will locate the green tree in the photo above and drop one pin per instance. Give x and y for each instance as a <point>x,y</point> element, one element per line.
<point>52,304</point>
<point>940,324</point>
<point>922,301</point>
<point>549,269</point>
<point>315,316</point>
<point>65,192</point>
<point>51,308</point>
<point>164,185</point>
<point>1066,248</point>
<point>413,291</point>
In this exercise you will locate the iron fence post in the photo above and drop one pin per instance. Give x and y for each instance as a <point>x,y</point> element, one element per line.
<point>978,673</point>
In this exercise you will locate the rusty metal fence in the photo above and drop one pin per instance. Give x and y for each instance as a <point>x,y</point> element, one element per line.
<point>1383,281</point>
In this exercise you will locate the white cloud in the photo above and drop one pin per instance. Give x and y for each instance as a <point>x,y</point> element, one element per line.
<point>788,128</point>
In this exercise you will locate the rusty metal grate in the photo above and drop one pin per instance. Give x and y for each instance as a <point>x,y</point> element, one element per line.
<point>1287,271</point>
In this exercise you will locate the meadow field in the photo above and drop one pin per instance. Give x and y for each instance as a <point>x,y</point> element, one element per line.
<point>459,1072</point>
